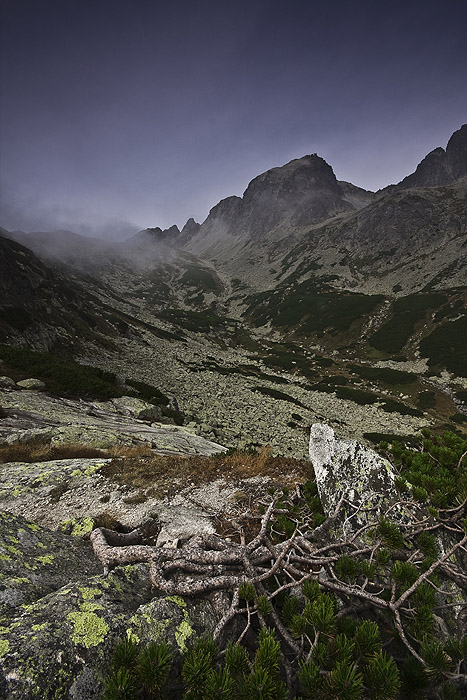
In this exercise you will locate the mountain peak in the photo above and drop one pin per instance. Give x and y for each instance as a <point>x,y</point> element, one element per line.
<point>456,153</point>
<point>441,167</point>
<point>298,175</point>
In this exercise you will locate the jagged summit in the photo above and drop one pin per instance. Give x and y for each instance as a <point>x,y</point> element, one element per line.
<point>298,194</point>
<point>441,167</point>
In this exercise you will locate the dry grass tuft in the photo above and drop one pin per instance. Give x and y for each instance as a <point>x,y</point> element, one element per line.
<point>165,470</point>
<point>108,520</point>
<point>44,452</point>
<point>129,451</point>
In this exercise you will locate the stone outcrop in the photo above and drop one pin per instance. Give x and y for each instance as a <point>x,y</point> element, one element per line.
<point>346,469</point>
<point>62,617</point>
<point>441,167</point>
<point>123,421</point>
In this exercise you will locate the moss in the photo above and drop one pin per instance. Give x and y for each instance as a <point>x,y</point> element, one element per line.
<point>4,647</point>
<point>88,628</point>
<point>183,631</point>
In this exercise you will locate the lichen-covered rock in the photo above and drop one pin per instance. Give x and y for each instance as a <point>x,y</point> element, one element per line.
<point>58,636</point>
<point>7,383</point>
<point>52,641</point>
<point>31,384</point>
<point>176,620</point>
<point>52,492</point>
<point>34,562</point>
<point>348,468</point>
<point>137,408</point>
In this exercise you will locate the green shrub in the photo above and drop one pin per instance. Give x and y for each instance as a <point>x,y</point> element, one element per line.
<point>138,671</point>
<point>445,346</point>
<point>62,376</point>
<point>392,336</point>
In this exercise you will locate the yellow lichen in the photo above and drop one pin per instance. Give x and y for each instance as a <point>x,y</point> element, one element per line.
<point>45,559</point>
<point>183,631</point>
<point>132,637</point>
<point>89,593</point>
<point>88,628</point>
<point>177,600</point>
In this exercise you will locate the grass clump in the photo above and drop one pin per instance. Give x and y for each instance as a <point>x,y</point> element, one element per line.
<point>141,471</point>
<point>39,451</point>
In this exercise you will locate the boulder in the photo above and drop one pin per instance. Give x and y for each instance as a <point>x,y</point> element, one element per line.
<point>7,383</point>
<point>349,469</point>
<point>62,616</point>
<point>42,435</point>
<point>137,408</point>
<point>35,384</point>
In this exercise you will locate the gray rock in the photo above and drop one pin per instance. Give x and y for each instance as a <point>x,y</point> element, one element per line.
<point>57,639</point>
<point>7,383</point>
<point>35,562</point>
<point>348,468</point>
<point>137,408</point>
<point>22,437</point>
<point>36,384</point>
<point>100,424</point>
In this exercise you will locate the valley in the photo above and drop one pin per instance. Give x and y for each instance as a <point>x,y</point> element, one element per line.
<point>306,300</point>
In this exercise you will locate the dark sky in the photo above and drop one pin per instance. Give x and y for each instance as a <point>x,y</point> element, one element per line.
<point>122,114</point>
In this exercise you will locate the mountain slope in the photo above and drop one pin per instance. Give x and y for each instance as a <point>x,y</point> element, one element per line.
<point>306,299</point>
<point>441,167</point>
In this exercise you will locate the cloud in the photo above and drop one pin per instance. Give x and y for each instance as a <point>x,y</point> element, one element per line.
<point>27,213</point>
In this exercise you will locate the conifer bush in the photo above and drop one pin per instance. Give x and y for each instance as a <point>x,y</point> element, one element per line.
<point>326,615</point>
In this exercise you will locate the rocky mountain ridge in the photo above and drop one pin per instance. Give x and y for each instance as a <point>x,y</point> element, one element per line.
<point>293,295</point>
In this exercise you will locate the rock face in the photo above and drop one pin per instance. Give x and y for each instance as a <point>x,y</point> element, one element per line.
<point>295,195</point>
<point>348,469</point>
<point>62,617</point>
<point>441,167</point>
<point>126,420</point>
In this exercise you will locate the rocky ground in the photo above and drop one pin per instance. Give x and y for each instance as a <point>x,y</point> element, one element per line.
<point>224,405</point>
<point>32,414</point>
